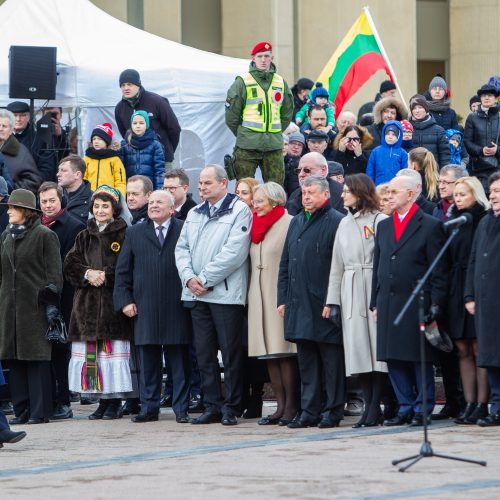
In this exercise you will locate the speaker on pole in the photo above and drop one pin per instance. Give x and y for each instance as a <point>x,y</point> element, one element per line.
<point>32,72</point>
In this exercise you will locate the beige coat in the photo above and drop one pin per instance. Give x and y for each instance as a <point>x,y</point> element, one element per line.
<point>265,326</point>
<point>350,286</point>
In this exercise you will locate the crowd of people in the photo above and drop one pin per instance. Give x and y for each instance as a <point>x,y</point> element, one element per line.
<point>296,280</point>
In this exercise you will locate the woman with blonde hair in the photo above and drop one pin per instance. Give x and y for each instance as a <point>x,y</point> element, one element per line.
<point>469,198</point>
<point>244,189</point>
<point>383,198</point>
<point>423,161</point>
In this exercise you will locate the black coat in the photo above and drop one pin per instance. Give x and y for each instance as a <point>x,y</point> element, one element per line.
<point>483,286</point>
<point>441,111</point>
<point>480,130</point>
<point>375,130</point>
<point>291,182</point>
<point>146,275</point>
<point>303,276</point>
<point>427,206</point>
<point>67,228</point>
<point>78,202</point>
<point>4,218</point>
<point>397,267</point>
<point>352,164</point>
<point>294,203</point>
<point>162,118</point>
<point>188,205</point>
<point>428,134</point>
<point>460,324</point>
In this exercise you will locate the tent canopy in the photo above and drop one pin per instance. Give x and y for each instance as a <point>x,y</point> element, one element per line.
<point>93,48</point>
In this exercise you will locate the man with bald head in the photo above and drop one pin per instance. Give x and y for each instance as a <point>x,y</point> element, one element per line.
<point>405,246</point>
<point>148,289</point>
<point>315,164</point>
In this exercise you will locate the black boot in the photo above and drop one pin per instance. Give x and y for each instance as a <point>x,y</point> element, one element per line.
<point>466,413</point>
<point>114,410</point>
<point>480,411</point>
<point>97,415</point>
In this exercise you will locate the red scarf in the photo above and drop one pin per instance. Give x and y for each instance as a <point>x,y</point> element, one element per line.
<point>400,226</point>
<point>48,221</point>
<point>262,224</point>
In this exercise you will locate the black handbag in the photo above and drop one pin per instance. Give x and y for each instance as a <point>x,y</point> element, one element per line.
<point>57,331</point>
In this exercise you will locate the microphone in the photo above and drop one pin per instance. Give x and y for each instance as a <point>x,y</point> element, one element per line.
<point>463,220</point>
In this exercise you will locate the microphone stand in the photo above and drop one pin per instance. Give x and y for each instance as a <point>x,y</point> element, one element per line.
<point>426,448</point>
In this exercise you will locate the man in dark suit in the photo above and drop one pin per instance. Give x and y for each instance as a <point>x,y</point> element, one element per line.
<point>405,246</point>
<point>148,289</point>
<point>177,183</point>
<point>139,189</point>
<point>315,164</point>
<point>55,217</point>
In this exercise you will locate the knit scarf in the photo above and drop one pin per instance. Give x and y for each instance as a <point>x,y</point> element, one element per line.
<point>91,371</point>
<point>48,221</point>
<point>439,106</point>
<point>262,224</point>
<point>132,101</point>
<point>17,231</point>
<point>400,226</point>
<point>100,154</point>
<point>141,141</point>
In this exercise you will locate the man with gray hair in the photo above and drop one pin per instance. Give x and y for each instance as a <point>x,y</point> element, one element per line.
<point>315,164</point>
<point>448,175</point>
<point>155,304</point>
<point>405,246</point>
<point>302,290</point>
<point>211,258</point>
<point>426,205</point>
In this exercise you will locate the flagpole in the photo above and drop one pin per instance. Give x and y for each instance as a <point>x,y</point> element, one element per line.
<point>384,53</point>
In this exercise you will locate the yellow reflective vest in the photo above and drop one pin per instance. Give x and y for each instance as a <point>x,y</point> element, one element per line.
<point>262,109</point>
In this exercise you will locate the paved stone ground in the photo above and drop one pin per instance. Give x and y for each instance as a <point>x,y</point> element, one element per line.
<point>82,459</point>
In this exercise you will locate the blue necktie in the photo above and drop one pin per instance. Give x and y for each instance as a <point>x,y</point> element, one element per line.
<point>161,238</point>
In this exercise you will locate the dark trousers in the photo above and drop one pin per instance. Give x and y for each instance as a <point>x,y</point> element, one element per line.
<point>219,326</point>
<point>450,369</point>
<point>494,380</point>
<point>3,421</point>
<point>30,387</point>
<point>194,377</point>
<point>322,371</point>
<point>150,377</point>
<point>61,354</point>
<point>406,379</point>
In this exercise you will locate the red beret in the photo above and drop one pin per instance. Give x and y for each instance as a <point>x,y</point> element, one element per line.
<point>262,47</point>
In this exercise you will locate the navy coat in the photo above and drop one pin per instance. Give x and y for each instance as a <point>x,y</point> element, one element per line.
<point>397,267</point>
<point>146,275</point>
<point>428,134</point>
<point>304,274</point>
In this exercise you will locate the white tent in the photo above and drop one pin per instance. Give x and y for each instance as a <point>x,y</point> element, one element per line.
<point>92,50</point>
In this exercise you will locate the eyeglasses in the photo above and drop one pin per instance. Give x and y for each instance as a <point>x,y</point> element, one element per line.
<point>394,192</point>
<point>353,139</point>
<point>306,170</point>
<point>171,188</point>
<point>447,183</point>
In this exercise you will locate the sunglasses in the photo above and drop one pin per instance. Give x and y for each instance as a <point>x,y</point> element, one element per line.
<point>352,139</point>
<point>306,170</point>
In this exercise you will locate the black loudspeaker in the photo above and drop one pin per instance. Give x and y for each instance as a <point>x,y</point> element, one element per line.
<point>32,72</point>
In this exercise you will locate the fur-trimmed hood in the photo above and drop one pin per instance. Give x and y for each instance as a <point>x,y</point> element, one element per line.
<point>385,102</point>
<point>366,139</point>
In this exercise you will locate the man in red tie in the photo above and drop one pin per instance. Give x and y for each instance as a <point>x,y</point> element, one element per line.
<point>405,246</point>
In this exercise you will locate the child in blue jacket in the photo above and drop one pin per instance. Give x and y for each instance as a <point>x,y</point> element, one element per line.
<point>141,152</point>
<point>389,158</point>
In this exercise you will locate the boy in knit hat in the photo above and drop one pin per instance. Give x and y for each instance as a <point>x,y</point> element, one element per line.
<point>320,97</point>
<point>103,165</point>
<point>389,158</point>
<point>438,99</point>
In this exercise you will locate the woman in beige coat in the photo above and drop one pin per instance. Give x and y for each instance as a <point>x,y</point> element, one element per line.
<point>266,338</point>
<point>349,291</point>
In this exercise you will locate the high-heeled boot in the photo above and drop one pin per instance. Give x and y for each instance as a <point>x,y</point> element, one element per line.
<point>466,413</point>
<point>97,415</point>
<point>114,410</point>
<point>480,411</point>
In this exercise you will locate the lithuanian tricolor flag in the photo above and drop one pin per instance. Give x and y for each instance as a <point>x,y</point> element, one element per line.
<point>359,56</point>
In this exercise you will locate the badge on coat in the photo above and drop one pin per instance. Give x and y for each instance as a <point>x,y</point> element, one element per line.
<point>368,232</point>
<point>277,95</point>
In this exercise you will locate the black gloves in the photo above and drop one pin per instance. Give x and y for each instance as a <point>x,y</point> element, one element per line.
<point>335,317</point>
<point>52,314</point>
<point>433,314</point>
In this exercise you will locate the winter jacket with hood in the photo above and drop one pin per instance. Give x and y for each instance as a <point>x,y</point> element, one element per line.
<point>143,156</point>
<point>428,134</point>
<point>104,167</point>
<point>376,129</point>
<point>235,104</point>
<point>215,248</point>
<point>385,160</point>
<point>458,154</point>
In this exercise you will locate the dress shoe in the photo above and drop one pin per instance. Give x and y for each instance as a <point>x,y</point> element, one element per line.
<point>131,407</point>
<point>196,404</point>
<point>114,410</point>
<point>62,412</point>
<point>20,419</point>
<point>447,411</point>
<point>228,419</point>
<point>182,419</point>
<point>391,409</point>
<point>145,417</point>
<point>8,436</point>
<point>97,415</point>
<point>399,419</point>
<point>6,407</point>
<point>41,420</point>
<point>87,400</point>
<point>418,420</point>
<point>466,413</point>
<point>479,412</point>
<point>303,422</point>
<point>166,401</point>
<point>329,421</point>
<point>354,408</point>
<point>207,417</point>
<point>283,422</point>
<point>74,397</point>
<point>268,420</point>
<point>489,421</point>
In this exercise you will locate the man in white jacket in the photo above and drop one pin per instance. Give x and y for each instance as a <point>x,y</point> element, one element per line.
<point>211,259</point>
